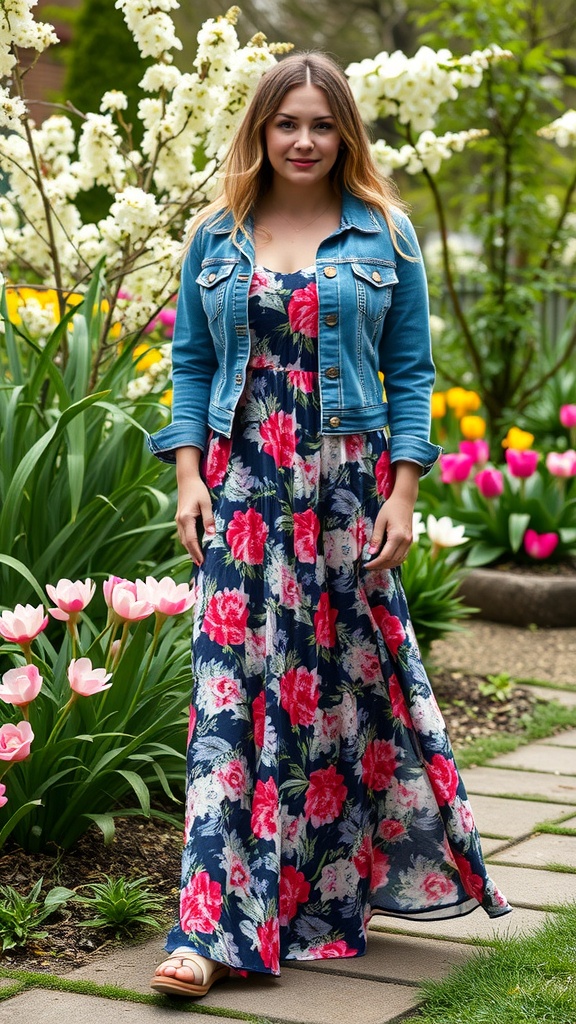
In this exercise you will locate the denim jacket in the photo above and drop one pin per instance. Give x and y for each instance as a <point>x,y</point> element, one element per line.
<point>373,316</point>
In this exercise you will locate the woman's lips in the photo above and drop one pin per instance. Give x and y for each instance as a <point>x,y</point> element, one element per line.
<point>303,163</point>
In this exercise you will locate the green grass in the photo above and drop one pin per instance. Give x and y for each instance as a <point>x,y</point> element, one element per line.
<point>527,979</point>
<point>549,717</point>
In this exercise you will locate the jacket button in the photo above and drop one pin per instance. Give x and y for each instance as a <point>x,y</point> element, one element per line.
<point>331,319</point>
<point>238,378</point>
<point>211,277</point>
<point>334,421</point>
<point>333,372</point>
<point>330,271</point>
<point>376,276</point>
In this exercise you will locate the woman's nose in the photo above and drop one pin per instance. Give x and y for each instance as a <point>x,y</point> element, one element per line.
<point>304,140</point>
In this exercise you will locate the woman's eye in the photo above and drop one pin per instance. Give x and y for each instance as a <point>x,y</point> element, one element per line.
<point>324,126</point>
<point>285,124</point>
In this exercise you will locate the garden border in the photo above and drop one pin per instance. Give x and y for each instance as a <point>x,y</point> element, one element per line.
<point>521,599</point>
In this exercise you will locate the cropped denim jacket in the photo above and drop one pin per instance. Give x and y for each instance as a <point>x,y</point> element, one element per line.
<point>373,316</point>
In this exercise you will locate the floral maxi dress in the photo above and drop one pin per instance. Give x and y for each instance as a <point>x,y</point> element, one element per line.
<point>321,785</point>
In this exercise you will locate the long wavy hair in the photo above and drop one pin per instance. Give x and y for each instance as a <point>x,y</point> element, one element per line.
<point>247,172</point>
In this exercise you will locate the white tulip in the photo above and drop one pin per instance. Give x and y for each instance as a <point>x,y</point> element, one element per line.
<point>443,533</point>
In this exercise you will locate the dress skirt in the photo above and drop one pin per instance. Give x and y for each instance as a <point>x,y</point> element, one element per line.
<point>321,784</point>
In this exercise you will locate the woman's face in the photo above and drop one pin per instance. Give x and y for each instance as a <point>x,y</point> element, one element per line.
<point>302,140</point>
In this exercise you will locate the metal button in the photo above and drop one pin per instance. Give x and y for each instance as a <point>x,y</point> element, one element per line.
<point>376,276</point>
<point>333,372</point>
<point>238,378</point>
<point>211,277</point>
<point>331,319</point>
<point>330,271</point>
<point>334,421</point>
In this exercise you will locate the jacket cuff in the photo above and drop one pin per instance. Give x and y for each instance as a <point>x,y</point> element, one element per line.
<point>163,443</point>
<point>414,449</point>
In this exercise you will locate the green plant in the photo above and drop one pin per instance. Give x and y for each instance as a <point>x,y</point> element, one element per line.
<point>122,904</point>
<point>499,686</point>
<point>21,916</point>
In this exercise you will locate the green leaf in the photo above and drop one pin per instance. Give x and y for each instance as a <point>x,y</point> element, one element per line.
<point>517,525</point>
<point>482,553</point>
<point>106,825</point>
<point>22,811</point>
<point>14,563</point>
<point>140,788</point>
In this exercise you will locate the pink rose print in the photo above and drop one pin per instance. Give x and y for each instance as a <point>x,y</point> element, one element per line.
<point>385,475</point>
<point>391,628</point>
<point>217,459</point>
<point>259,282</point>
<point>369,667</point>
<point>466,817</point>
<point>294,889</point>
<point>324,622</point>
<point>306,531</point>
<point>303,311</point>
<point>225,691</point>
<point>398,702</point>
<point>354,444</point>
<point>443,778</point>
<point>239,874</point>
<point>191,723</point>
<point>278,433</point>
<point>226,617</point>
<point>436,886</point>
<point>332,950</point>
<point>246,536</point>
<point>259,718</point>
<point>380,869</point>
<point>363,859</point>
<point>379,764</point>
<point>299,695</point>
<point>302,380</point>
<point>290,593</point>
<point>325,796</point>
<point>233,779</point>
<point>264,821</point>
<point>390,829</point>
<point>473,884</point>
<point>200,904</point>
<point>269,944</point>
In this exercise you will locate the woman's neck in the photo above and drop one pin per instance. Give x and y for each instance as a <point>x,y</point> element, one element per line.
<point>297,202</point>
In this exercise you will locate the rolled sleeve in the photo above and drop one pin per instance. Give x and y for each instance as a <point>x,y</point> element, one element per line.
<point>408,448</point>
<point>163,443</point>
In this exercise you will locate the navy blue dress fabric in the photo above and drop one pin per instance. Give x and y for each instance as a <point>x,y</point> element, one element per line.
<point>321,785</point>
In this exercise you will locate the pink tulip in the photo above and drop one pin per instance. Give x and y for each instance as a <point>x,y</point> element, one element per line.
<point>15,741</point>
<point>165,596</point>
<point>490,483</point>
<point>151,325</point>
<point>540,545</point>
<point>478,450</point>
<point>455,467</point>
<point>126,605</point>
<point>86,680</point>
<point>108,587</point>
<point>522,463</point>
<point>167,318</point>
<point>3,798</point>
<point>561,463</point>
<point>23,624</point>
<point>20,685</point>
<point>70,598</point>
<point>568,415</point>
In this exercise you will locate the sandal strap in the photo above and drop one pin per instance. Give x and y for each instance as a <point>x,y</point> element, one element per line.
<point>196,960</point>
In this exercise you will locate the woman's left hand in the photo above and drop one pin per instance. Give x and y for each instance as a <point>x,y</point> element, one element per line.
<point>393,526</point>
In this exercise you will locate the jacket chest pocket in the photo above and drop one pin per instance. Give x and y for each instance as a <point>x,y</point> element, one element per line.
<point>212,282</point>
<point>373,288</point>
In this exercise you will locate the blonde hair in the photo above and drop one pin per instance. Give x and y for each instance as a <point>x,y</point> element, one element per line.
<point>247,173</point>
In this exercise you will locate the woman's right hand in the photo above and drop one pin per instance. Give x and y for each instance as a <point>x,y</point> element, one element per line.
<point>194,503</point>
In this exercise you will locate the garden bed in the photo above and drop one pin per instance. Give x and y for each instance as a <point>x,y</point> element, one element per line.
<point>523,595</point>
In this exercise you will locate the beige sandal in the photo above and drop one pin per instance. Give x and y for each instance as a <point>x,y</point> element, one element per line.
<point>210,971</point>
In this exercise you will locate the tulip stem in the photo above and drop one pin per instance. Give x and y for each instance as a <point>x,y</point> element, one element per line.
<point>62,716</point>
<point>146,669</point>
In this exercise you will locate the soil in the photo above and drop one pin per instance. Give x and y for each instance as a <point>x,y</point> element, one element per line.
<point>152,847</point>
<point>565,569</point>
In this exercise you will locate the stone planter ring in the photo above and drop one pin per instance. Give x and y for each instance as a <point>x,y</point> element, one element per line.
<point>521,599</point>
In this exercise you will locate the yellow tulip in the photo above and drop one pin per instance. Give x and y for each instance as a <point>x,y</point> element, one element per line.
<point>166,398</point>
<point>438,405</point>
<point>473,427</point>
<point>462,401</point>
<point>518,439</point>
<point>144,357</point>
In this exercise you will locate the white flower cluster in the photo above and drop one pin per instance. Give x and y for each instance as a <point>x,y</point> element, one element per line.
<point>151,26</point>
<point>158,372</point>
<point>562,131</point>
<point>428,153</point>
<point>412,89</point>
<point>18,28</point>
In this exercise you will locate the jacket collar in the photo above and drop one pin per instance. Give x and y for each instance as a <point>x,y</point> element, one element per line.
<point>355,214</point>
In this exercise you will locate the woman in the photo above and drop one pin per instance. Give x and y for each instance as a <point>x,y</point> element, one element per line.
<point>321,783</point>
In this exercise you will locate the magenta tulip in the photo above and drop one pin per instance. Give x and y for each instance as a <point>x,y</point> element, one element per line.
<point>85,680</point>
<point>15,741</point>
<point>568,415</point>
<point>540,545</point>
<point>167,318</point>
<point>166,596</point>
<point>23,624</point>
<point>20,685</point>
<point>522,463</point>
<point>478,450</point>
<point>455,467</point>
<point>561,463</point>
<point>490,482</point>
<point>70,598</point>
<point>3,797</point>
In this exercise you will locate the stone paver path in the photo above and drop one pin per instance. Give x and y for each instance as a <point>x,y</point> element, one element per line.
<point>517,798</point>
